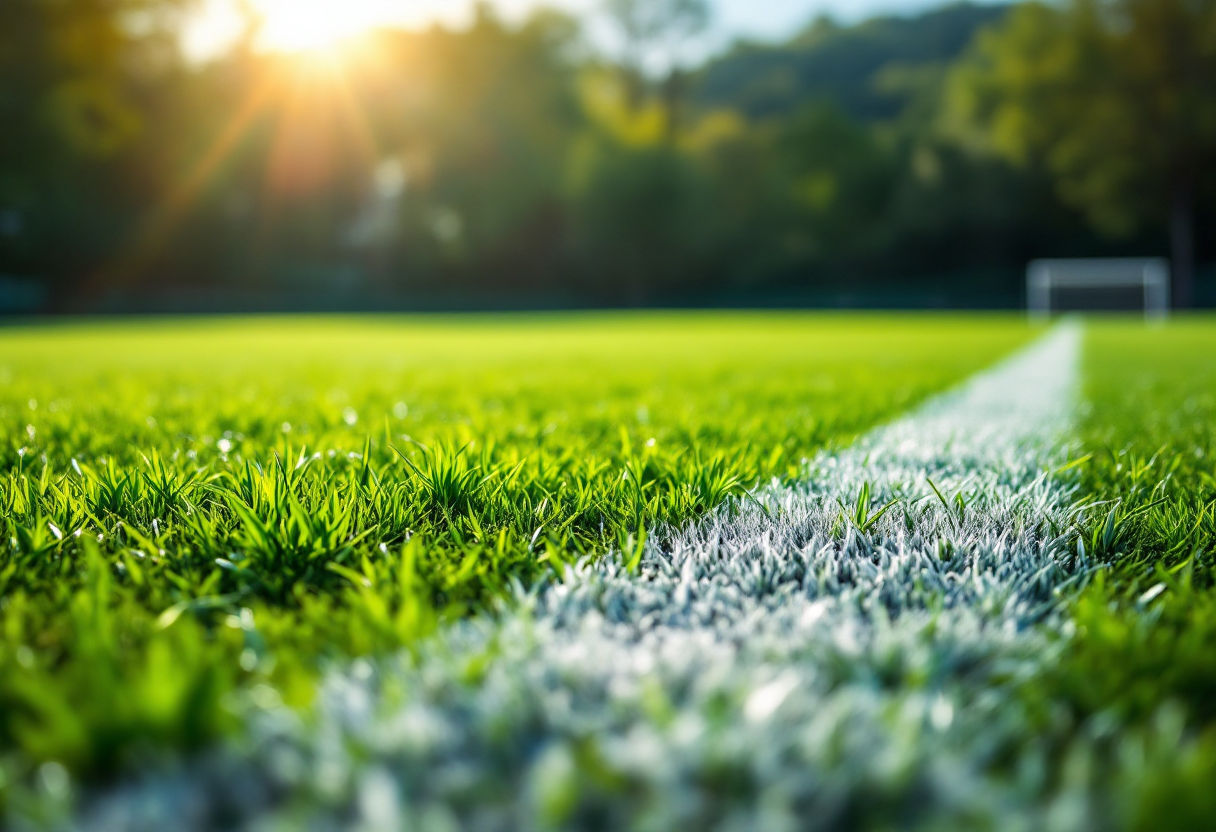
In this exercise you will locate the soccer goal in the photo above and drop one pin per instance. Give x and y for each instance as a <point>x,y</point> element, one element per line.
<point>1104,285</point>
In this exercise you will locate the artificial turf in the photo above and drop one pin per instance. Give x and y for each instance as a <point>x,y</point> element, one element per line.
<point>197,507</point>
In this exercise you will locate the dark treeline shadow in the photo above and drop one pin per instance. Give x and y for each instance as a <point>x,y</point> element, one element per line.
<point>900,162</point>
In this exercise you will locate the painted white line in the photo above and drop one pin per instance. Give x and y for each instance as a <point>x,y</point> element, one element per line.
<point>776,666</point>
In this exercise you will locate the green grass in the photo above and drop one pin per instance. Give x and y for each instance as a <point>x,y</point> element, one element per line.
<point>1136,683</point>
<point>197,508</point>
<point>192,507</point>
<point>1151,427</point>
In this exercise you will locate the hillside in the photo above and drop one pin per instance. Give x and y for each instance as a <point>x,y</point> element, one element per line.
<point>845,64</point>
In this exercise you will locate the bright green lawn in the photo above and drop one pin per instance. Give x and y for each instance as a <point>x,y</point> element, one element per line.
<point>192,506</point>
<point>1138,679</point>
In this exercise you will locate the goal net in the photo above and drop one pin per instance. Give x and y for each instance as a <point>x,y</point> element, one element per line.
<point>1104,285</point>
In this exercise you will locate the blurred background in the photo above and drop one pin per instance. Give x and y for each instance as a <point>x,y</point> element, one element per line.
<point>257,155</point>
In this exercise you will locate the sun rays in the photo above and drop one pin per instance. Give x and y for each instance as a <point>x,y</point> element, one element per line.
<point>319,135</point>
<point>300,26</point>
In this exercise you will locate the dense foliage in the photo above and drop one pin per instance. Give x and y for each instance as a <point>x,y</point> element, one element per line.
<point>1115,98</point>
<point>504,164</point>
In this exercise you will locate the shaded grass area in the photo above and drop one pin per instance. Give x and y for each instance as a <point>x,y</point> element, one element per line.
<point>196,507</point>
<point>1136,682</point>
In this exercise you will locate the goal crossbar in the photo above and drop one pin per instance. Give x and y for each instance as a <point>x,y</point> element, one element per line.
<point>1152,275</point>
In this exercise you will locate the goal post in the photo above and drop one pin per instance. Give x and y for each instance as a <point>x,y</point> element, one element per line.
<point>1106,284</point>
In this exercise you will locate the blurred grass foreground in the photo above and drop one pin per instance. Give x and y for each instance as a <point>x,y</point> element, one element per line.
<point>316,157</point>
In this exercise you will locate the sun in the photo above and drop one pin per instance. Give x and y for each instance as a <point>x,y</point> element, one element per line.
<point>302,26</point>
<point>310,25</point>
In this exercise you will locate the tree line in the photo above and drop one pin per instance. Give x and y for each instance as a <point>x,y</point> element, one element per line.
<point>514,164</point>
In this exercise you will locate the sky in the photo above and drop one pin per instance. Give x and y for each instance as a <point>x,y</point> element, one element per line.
<point>297,24</point>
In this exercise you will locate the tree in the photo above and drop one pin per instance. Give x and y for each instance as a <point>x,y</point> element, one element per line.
<point>652,32</point>
<point>78,81</point>
<point>840,177</point>
<point>1117,98</point>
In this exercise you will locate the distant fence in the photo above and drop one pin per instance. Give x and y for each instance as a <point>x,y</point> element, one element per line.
<point>19,295</point>
<point>994,289</point>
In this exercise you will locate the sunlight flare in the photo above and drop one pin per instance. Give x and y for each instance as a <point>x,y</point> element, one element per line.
<point>299,26</point>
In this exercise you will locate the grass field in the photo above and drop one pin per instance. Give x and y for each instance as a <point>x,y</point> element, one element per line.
<point>207,518</point>
<point>166,480</point>
<point>1137,681</point>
